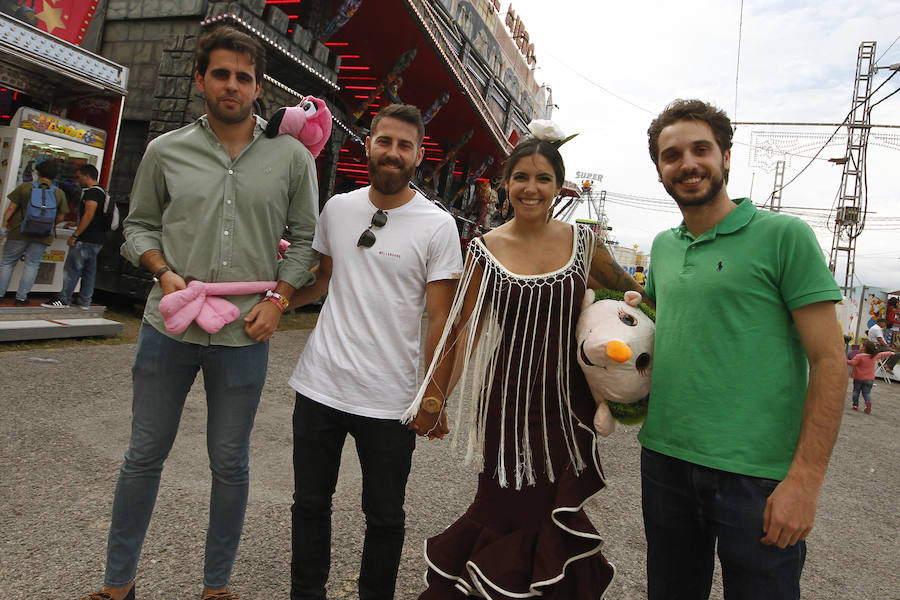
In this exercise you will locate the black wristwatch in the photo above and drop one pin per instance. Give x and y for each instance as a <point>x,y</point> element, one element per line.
<point>159,273</point>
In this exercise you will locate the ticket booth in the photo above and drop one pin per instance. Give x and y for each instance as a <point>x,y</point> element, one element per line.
<point>60,102</point>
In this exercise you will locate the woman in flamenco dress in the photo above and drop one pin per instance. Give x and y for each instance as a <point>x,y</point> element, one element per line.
<point>509,353</point>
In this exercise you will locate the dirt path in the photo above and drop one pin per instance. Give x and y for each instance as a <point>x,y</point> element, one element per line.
<point>65,423</point>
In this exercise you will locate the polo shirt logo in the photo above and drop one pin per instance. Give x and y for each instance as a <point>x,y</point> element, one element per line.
<point>719,267</point>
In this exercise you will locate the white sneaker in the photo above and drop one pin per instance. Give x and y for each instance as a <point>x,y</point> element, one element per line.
<point>82,307</point>
<point>54,304</point>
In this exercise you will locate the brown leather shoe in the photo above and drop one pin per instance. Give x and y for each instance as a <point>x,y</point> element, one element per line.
<point>103,595</point>
<point>220,595</point>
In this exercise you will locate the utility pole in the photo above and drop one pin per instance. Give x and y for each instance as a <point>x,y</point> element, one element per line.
<point>850,216</point>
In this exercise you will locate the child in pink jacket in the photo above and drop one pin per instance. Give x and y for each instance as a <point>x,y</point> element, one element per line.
<point>863,373</point>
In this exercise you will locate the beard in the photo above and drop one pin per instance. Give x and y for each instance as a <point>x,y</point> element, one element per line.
<point>716,183</point>
<point>390,182</point>
<point>229,117</point>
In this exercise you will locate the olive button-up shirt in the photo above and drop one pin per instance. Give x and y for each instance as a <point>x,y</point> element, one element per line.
<point>216,219</point>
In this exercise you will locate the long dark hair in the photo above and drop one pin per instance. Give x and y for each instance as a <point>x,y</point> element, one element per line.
<point>531,146</point>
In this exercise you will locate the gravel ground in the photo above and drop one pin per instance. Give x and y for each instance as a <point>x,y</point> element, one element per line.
<point>65,425</point>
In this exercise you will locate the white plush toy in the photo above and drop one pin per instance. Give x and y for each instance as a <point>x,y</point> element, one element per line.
<point>615,350</point>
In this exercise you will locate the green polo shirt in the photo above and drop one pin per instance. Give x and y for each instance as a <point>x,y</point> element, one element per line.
<point>729,370</point>
<point>218,220</point>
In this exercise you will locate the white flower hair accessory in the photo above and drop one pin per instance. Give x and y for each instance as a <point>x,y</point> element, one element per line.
<point>548,131</point>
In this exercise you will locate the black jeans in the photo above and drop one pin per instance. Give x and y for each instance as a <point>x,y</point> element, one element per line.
<point>385,448</point>
<point>690,512</point>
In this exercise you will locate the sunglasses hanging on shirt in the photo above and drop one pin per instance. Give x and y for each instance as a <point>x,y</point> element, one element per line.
<point>367,239</point>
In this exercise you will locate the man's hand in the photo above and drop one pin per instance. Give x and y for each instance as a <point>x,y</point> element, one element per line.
<point>71,242</point>
<point>170,281</point>
<point>790,513</point>
<point>791,509</point>
<point>262,320</point>
<point>434,425</point>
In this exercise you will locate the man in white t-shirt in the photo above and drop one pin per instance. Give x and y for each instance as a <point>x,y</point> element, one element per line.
<point>387,255</point>
<point>876,334</point>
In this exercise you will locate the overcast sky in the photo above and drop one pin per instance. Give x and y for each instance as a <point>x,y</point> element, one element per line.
<point>613,66</point>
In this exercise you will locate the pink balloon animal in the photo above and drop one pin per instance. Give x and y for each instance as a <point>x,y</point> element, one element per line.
<point>200,302</point>
<point>309,121</point>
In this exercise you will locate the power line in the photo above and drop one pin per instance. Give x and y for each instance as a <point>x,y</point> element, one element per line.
<point>885,98</point>
<point>597,85</point>
<point>737,67</point>
<point>802,124</point>
<point>888,48</point>
<point>737,143</point>
<point>831,137</point>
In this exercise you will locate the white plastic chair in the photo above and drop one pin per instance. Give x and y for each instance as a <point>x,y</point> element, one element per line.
<point>881,369</point>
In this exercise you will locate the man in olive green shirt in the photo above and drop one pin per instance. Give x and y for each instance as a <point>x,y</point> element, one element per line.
<point>22,245</point>
<point>210,202</point>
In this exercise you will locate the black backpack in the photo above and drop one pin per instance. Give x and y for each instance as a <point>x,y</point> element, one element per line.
<point>109,211</point>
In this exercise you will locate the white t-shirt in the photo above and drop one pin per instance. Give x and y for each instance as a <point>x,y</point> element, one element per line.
<point>875,332</point>
<point>363,356</point>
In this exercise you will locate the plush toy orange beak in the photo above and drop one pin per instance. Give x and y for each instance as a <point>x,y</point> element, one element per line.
<point>618,351</point>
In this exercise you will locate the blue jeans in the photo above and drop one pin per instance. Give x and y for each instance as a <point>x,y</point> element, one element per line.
<point>81,262</point>
<point>163,372</point>
<point>687,510</point>
<point>864,386</point>
<point>385,448</point>
<point>12,252</point>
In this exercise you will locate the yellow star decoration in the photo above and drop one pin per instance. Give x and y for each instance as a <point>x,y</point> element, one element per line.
<point>51,16</point>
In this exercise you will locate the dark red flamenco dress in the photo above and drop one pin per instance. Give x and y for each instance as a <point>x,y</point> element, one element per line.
<point>535,540</point>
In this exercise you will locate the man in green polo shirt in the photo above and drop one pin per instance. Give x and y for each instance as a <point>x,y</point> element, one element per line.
<point>748,377</point>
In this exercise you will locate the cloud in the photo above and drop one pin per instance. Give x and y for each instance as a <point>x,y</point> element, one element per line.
<point>798,61</point>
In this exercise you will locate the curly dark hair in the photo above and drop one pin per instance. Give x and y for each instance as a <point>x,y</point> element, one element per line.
<point>868,346</point>
<point>698,110</point>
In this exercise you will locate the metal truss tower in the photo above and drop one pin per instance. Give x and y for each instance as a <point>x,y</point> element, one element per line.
<point>850,216</point>
<point>779,183</point>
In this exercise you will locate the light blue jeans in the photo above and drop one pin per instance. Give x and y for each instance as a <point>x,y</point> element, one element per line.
<point>12,252</point>
<point>81,262</point>
<point>163,372</point>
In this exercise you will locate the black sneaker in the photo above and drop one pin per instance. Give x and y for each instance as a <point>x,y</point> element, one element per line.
<point>54,304</point>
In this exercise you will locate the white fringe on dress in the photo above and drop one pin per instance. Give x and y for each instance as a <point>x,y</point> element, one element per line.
<point>475,367</point>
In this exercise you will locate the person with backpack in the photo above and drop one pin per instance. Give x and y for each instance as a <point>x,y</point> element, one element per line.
<point>31,218</point>
<point>87,240</point>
